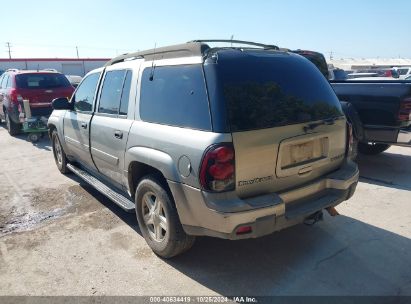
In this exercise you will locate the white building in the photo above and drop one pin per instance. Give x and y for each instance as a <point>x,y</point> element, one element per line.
<point>67,66</point>
<point>369,63</point>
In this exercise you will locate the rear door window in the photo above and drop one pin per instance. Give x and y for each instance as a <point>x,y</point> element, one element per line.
<point>9,82</point>
<point>41,81</point>
<point>176,96</point>
<point>111,92</point>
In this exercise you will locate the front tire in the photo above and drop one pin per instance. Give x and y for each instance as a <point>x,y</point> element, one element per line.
<point>158,219</point>
<point>58,152</point>
<point>12,127</point>
<point>372,148</point>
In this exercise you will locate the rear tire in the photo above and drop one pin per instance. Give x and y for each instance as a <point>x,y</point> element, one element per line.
<point>371,148</point>
<point>59,154</point>
<point>158,219</point>
<point>12,127</point>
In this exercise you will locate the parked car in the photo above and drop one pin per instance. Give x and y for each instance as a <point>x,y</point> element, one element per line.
<point>74,80</point>
<point>370,78</point>
<point>378,108</point>
<point>225,142</point>
<point>361,75</point>
<point>381,72</point>
<point>39,88</point>
<point>337,74</point>
<point>404,72</point>
<point>384,111</point>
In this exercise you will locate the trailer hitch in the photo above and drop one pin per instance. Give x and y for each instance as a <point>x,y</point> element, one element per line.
<point>314,218</point>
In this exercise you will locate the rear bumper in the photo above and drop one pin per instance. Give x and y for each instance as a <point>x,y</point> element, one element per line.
<point>265,214</point>
<point>388,135</point>
<point>404,137</point>
<point>36,112</point>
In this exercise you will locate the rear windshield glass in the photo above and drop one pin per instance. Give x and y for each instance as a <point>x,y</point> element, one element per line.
<point>41,81</point>
<point>268,91</point>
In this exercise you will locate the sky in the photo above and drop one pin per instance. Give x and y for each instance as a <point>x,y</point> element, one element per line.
<point>104,28</point>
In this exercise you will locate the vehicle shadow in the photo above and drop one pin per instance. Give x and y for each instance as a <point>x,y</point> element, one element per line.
<point>338,256</point>
<point>126,217</point>
<point>389,169</point>
<point>43,142</point>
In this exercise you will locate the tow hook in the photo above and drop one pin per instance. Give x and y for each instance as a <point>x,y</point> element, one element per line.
<point>332,211</point>
<point>314,218</point>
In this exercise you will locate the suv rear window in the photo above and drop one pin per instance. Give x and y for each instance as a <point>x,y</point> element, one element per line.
<point>266,91</point>
<point>41,81</point>
<point>176,96</point>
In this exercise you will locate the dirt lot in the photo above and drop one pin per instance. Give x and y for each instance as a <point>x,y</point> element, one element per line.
<point>60,237</point>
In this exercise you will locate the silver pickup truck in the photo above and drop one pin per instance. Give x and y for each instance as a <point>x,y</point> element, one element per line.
<point>229,142</point>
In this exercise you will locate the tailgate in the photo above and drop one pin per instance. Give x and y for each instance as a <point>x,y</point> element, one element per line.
<point>44,97</point>
<point>277,159</point>
<point>41,88</point>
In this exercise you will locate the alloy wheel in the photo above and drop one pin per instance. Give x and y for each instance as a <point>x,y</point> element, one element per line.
<point>154,216</point>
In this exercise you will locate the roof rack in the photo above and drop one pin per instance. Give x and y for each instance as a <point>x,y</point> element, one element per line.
<point>174,51</point>
<point>265,46</point>
<point>189,49</point>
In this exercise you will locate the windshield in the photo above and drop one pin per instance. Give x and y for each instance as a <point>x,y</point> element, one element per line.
<point>274,90</point>
<point>41,81</point>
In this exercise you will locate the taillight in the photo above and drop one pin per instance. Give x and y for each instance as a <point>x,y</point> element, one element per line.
<point>350,140</point>
<point>405,110</point>
<point>15,97</point>
<point>217,171</point>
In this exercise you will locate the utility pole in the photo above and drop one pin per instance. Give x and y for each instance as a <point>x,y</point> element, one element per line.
<point>9,47</point>
<point>77,52</point>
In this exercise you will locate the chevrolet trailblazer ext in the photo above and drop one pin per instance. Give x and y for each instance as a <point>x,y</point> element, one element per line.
<point>229,142</point>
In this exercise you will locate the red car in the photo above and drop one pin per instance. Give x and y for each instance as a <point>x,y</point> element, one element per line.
<point>39,88</point>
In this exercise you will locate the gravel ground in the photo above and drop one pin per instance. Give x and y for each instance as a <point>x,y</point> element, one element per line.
<point>60,237</point>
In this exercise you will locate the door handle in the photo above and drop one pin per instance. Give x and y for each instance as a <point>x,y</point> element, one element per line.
<point>84,125</point>
<point>118,134</point>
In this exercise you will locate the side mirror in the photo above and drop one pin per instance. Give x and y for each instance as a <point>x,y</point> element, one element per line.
<point>61,103</point>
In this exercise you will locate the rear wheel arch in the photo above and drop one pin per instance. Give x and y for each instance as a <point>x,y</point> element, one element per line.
<point>138,170</point>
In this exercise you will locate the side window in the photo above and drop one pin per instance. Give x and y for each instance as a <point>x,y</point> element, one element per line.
<point>84,96</point>
<point>4,81</point>
<point>126,94</point>
<point>111,92</point>
<point>176,95</point>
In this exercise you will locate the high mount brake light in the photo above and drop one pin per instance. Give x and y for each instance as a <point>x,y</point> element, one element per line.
<point>217,170</point>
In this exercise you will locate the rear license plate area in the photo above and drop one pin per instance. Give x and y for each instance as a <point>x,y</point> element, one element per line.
<point>296,155</point>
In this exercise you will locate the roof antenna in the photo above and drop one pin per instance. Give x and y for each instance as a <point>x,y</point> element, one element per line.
<point>152,64</point>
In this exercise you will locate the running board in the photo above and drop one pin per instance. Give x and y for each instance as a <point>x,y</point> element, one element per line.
<point>116,197</point>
